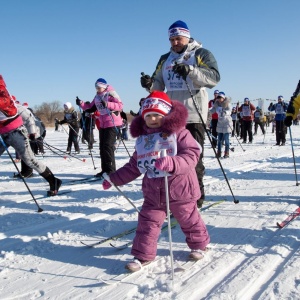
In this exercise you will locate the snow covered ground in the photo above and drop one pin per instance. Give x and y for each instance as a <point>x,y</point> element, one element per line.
<point>42,256</point>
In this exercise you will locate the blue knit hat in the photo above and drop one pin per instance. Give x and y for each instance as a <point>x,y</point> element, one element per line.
<point>101,83</point>
<point>222,95</point>
<point>179,28</point>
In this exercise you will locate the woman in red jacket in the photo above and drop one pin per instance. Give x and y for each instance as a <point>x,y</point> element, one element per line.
<point>14,133</point>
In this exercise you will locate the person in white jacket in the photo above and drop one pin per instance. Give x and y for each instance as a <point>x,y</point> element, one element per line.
<point>33,134</point>
<point>222,108</point>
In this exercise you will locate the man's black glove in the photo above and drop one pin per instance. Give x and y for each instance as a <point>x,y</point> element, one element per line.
<point>78,101</point>
<point>288,121</point>
<point>104,103</point>
<point>32,137</point>
<point>182,70</point>
<point>146,81</point>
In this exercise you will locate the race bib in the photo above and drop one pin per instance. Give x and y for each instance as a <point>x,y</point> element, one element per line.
<point>149,147</point>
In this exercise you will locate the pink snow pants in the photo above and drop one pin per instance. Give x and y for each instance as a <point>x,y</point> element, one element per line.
<point>150,222</point>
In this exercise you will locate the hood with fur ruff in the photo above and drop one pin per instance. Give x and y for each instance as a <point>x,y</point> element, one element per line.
<point>172,122</point>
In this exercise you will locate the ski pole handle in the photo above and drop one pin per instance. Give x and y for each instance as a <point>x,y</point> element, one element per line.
<point>163,153</point>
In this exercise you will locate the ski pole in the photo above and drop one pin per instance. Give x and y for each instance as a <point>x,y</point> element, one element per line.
<point>83,160</point>
<point>294,95</point>
<point>77,133</point>
<point>106,177</point>
<point>118,144</point>
<point>84,131</point>
<point>4,145</point>
<point>216,139</point>
<point>202,121</point>
<point>290,131</point>
<point>163,153</point>
<point>47,146</point>
<point>90,141</point>
<point>237,139</point>
<point>112,119</point>
<point>64,129</point>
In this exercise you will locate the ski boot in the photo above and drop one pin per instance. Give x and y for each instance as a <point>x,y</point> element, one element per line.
<point>197,254</point>
<point>54,182</point>
<point>137,265</point>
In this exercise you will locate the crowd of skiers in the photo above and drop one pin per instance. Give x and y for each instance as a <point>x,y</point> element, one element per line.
<point>242,120</point>
<point>173,121</point>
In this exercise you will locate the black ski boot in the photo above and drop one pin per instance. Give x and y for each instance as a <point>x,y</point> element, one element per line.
<point>54,182</point>
<point>99,175</point>
<point>26,171</point>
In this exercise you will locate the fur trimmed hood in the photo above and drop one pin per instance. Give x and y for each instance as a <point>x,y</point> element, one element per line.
<point>172,122</point>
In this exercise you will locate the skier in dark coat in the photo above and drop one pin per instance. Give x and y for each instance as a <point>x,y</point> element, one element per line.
<point>280,108</point>
<point>71,118</point>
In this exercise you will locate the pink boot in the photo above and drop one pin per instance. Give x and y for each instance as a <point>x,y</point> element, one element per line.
<point>137,265</point>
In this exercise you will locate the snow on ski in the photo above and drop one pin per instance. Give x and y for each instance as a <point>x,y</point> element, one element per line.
<point>126,274</point>
<point>289,218</point>
<point>185,266</point>
<point>212,204</point>
<point>111,238</point>
<point>189,263</point>
<point>119,278</point>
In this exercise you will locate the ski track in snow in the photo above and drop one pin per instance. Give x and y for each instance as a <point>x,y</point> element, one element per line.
<point>42,257</point>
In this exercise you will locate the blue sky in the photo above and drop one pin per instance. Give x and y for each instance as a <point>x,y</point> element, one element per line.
<point>55,50</point>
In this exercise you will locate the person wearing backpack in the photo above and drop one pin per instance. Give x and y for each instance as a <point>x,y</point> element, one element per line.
<point>14,133</point>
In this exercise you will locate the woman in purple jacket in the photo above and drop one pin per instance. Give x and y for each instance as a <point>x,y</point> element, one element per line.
<point>161,125</point>
<point>109,105</point>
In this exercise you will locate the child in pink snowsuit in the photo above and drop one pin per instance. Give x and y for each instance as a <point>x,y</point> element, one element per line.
<point>161,125</point>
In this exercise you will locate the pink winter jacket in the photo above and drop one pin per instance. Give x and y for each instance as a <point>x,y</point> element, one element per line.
<point>183,183</point>
<point>110,115</point>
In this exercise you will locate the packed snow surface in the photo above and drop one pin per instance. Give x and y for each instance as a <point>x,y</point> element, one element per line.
<point>42,256</point>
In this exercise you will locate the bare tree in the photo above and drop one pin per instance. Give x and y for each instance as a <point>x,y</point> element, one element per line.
<point>49,111</point>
